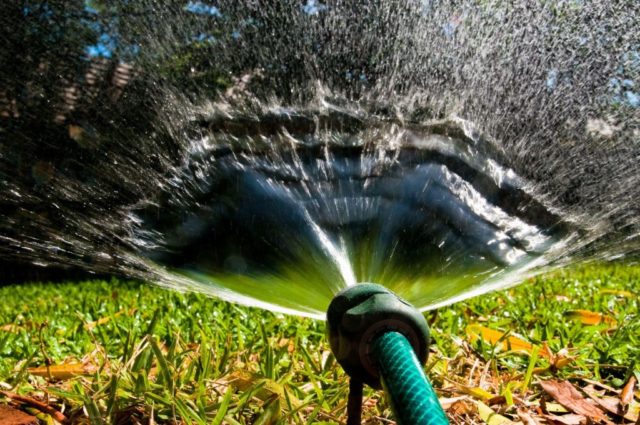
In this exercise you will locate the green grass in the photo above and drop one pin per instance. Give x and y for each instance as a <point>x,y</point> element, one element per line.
<point>185,358</point>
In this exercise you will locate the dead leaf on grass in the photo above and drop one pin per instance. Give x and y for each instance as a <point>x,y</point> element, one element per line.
<point>500,339</point>
<point>64,371</point>
<point>43,407</point>
<point>602,385</point>
<point>626,396</point>
<point>617,293</point>
<point>11,327</point>
<point>11,416</point>
<point>590,318</point>
<point>475,392</point>
<point>567,395</point>
<point>570,419</point>
<point>490,416</point>
<point>526,418</point>
<point>556,362</point>
<point>613,404</point>
<point>447,403</point>
<point>462,408</point>
<point>555,408</point>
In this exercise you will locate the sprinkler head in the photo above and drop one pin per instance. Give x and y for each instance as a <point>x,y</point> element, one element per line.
<point>360,313</point>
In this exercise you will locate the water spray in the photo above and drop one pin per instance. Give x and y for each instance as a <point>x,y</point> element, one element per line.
<point>382,341</point>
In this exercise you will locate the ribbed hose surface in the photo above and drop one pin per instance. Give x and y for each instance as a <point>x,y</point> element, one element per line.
<point>413,400</point>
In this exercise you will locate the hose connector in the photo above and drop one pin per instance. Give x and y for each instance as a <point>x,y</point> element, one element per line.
<point>361,313</point>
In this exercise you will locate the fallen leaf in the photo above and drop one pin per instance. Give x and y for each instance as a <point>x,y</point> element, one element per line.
<point>475,392</point>
<point>601,385</point>
<point>526,418</point>
<point>478,393</point>
<point>11,416</point>
<point>19,325</point>
<point>556,362</point>
<point>618,293</point>
<point>555,408</point>
<point>613,405</point>
<point>11,327</point>
<point>64,371</point>
<point>590,318</point>
<point>500,339</point>
<point>446,403</point>
<point>626,396</point>
<point>499,399</point>
<point>490,416</point>
<point>571,419</point>
<point>462,407</point>
<point>567,395</point>
<point>58,416</point>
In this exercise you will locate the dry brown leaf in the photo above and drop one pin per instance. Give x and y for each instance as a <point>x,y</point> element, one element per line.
<point>526,418</point>
<point>570,419</point>
<point>64,371</point>
<point>500,339</point>
<point>43,407</point>
<point>497,400</point>
<point>598,384</point>
<point>626,396</point>
<point>557,362</point>
<point>11,327</point>
<point>613,405</point>
<point>462,407</point>
<point>567,395</point>
<point>19,325</point>
<point>11,416</point>
<point>447,403</point>
<point>590,318</point>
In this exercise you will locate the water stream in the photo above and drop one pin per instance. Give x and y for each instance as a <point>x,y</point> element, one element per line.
<point>274,154</point>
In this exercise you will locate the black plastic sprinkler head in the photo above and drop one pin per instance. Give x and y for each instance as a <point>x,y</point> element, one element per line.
<point>381,340</point>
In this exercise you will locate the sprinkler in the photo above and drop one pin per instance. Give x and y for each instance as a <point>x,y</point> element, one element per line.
<point>382,341</point>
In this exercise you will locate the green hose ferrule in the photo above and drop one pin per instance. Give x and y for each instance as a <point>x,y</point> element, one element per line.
<point>360,313</point>
<point>381,340</point>
<point>412,398</point>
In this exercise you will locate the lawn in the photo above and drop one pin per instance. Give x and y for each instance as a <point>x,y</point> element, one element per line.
<point>128,352</point>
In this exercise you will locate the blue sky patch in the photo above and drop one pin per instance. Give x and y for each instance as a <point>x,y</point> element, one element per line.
<point>201,8</point>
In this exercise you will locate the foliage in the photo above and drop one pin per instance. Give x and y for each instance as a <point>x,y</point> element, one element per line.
<point>81,106</point>
<point>139,350</point>
<point>43,45</point>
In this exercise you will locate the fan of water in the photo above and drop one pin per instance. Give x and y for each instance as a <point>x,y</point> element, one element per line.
<point>274,154</point>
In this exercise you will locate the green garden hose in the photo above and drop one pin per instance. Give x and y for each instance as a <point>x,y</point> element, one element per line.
<point>381,340</point>
<point>412,397</point>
